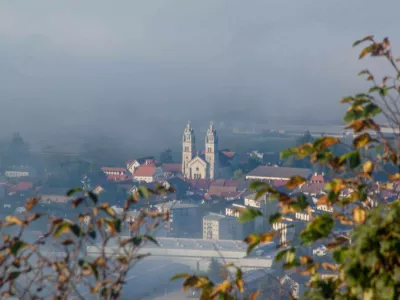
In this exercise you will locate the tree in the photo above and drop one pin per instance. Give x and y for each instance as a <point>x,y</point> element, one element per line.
<point>166,156</point>
<point>238,174</point>
<point>366,262</point>
<point>57,265</point>
<point>17,152</point>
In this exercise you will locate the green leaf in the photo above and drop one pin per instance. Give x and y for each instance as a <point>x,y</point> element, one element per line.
<point>72,192</point>
<point>281,254</point>
<point>143,192</point>
<point>318,228</point>
<point>340,255</point>
<point>137,240</point>
<point>255,185</point>
<point>367,38</point>
<point>371,110</point>
<point>288,153</point>
<point>93,197</point>
<point>294,182</point>
<point>18,245</point>
<point>252,240</point>
<point>301,203</point>
<point>61,229</point>
<point>151,239</point>
<point>92,234</point>
<point>179,276</point>
<point>248,214</point>
<point>260,193</point>
<point>355,159</point>
<point>275,218</point>
<point>76,230</point>
<point>362,140</point>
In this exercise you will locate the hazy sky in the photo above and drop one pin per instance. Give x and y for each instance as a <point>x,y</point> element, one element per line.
<point>130,65</point>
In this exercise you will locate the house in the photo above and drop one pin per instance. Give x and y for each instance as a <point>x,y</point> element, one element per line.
<point>222,227</point>
<point>277,173</point>
<point>20,171</point>
<point>317,178</point>
<point>147,173</point>
<point>179,185</point>
<point>133,164</point>
<point>171,169</point>
<point>294,284</point>
<point>114,171</point>
<point>54,195</point>
<point>20,187</point>
<point>184,217</point>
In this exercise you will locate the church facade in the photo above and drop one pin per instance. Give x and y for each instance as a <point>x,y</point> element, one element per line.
<point>210,163</point>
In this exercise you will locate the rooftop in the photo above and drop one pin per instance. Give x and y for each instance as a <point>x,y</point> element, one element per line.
<point>145,171</point>
<point>278,172</point>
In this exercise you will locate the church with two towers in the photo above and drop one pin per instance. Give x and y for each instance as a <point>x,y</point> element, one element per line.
<point>210,163</point>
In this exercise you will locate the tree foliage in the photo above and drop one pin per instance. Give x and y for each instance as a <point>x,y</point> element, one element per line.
<point>366,263</point>
<point>58,264</point>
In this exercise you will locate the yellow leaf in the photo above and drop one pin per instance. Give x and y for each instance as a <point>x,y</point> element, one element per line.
<point>394,177</point>
<point>268,236</point>
<point>254,295</point>
<point>305,259</point>
<point>240,285</point>
<point>359,214</point>
<point>294,182</point>
<point>326,142</point>
<point>365,51</point>
<point>362,140</point>
<point>30,203</point>
<point>224,287</point>
<point>327,266</point>
<point>11,220</point>
<point>368,167</point>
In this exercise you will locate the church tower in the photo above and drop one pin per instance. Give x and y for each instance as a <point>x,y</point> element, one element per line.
<point>188,148</point>
<point>212,151</point>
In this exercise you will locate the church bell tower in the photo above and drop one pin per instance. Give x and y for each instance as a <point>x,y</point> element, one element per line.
<point>188,148</point>
<point>212,151</point>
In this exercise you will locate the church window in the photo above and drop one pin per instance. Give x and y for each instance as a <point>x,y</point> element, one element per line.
<point>197,169</point>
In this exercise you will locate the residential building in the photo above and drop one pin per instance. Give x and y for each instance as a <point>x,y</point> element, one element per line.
<point>113,171</point>
<point>54,195</point>
<point>171,169</point>
<point>210,164</point>
<point>147,173</point>
<point>133,164</point>
<point>184,218</point>
<point>267,207</point>
<point>221,227</point>
<point>21,171</point>
<point>277,173</point>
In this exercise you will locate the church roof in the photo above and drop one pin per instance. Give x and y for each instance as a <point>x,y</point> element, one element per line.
<point>223,159</point>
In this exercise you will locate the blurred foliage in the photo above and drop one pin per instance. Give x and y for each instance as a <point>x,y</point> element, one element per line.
<point>57,264</point>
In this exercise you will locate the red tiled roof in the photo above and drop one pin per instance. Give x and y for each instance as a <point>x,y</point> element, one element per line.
<point>317,177</point>
<point>113,169</point>
<point>172,167</point>
<point>229,154</point>
<point>312,188</point>
<point>201,184</point>
<point>119,178</point>
<point>278,183</point>
<point>145,171</point>
<point>20,186</point>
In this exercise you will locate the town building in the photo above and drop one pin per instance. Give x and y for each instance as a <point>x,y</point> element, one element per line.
<point>21,171</point>
<point>184,218</point>
<point>133,164</point>
<point>147,173</point>
<point>277,173</point>
<point>211,163</point>
<point>222,227</point>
